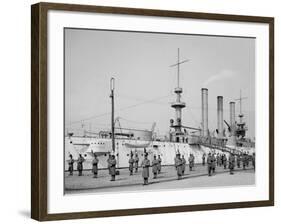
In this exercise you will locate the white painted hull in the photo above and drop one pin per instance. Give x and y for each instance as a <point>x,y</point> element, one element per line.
<point>102,147</point>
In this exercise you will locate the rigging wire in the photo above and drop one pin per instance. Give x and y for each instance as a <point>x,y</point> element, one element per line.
<point>137,122</point>
<point>121,109</point>
<point>143,100</point>
<point>193,117</point>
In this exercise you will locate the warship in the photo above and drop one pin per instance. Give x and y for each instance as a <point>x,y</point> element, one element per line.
<point>228,137</point>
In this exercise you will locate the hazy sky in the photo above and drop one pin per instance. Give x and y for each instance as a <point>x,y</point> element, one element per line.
<point>144,80</point>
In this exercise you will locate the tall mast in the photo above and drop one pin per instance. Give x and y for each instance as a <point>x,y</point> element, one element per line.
<point>112,85</point>
<point>241,115</point>
<point>178,105</point>
<point>240,99</point>
<point>178,66</point>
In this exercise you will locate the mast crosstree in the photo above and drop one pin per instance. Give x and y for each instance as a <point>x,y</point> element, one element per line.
<point>178,67</point>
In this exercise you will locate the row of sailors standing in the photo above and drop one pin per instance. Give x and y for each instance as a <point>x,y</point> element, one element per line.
<point>111,165</point>
<point>111,161</point>
<point>156,167</point>
<point>212,161</point>
<point>180,164</point>
<point>71,161</point>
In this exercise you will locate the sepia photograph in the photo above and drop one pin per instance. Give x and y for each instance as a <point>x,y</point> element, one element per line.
<point>145,111</point>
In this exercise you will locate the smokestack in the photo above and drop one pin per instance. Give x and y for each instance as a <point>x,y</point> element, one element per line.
<point>232,116</point>
<point>232,139</point>
<point>204,108</point>
<point>220,116</point>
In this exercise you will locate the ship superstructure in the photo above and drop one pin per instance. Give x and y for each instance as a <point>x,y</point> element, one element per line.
<point>126,141</point>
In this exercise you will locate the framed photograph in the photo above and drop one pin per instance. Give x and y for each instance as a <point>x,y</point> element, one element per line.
<point>141,111</point>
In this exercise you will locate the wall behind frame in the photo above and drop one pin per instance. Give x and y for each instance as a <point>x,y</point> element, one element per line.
<point>15,111</point>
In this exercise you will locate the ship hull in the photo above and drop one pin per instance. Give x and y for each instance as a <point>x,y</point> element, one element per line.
<point>87,146</point>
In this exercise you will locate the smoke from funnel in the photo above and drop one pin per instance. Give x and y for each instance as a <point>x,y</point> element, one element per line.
<point>224,74</point>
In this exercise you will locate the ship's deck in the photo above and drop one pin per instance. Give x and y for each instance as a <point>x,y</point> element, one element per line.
<point>167,179</point>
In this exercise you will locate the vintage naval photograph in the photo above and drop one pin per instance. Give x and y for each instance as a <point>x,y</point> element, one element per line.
<point>146,111</point>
